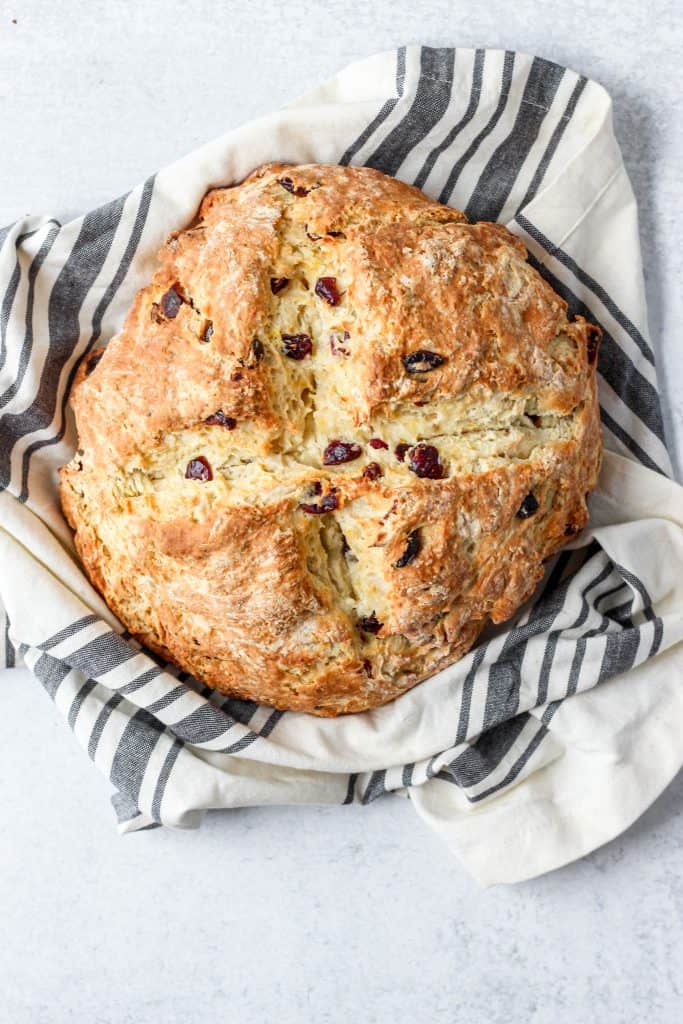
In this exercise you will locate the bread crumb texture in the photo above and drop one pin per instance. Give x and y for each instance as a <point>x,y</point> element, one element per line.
<point>340,431</point>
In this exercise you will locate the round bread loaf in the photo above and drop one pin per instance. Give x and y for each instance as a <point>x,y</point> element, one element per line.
<point>340,431</point>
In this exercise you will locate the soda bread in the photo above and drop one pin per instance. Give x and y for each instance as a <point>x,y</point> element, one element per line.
<point>340,431</point>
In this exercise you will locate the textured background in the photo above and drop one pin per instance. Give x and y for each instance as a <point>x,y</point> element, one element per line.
<point>317,914</point>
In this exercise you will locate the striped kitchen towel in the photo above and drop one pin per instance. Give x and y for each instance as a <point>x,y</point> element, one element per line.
<point>560,727</point>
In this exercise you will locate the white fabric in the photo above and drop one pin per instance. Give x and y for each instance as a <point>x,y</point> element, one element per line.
<point>609,750</point>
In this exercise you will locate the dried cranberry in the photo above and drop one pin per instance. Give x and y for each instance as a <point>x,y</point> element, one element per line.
<point>338,341</point>
<point>423,361</point>
<point>528,507</point>
<point>296,346</point>
<point>92,362</point>
<point>295,190</point>
<point>171,302</point>
<point>329,503</point>
<point>278,283</point>
<point>373,471</point>
<point>257,349</point>
<point>593,343</point>
<point>198,469</point>
<point>326,288</point>
<point>411,552</point>
<point>424,461</point>
<point>377,442</point>
<point>369,624</point>
<point>400,451</point>
<point>219,419</point>
<point>341,451</point>
<point>316,487</point>
<point>207,332</point>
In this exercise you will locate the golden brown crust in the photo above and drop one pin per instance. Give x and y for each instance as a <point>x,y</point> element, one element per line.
<point>432,332</point>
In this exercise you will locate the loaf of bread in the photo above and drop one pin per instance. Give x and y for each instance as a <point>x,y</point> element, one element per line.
<point>340,431</point>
